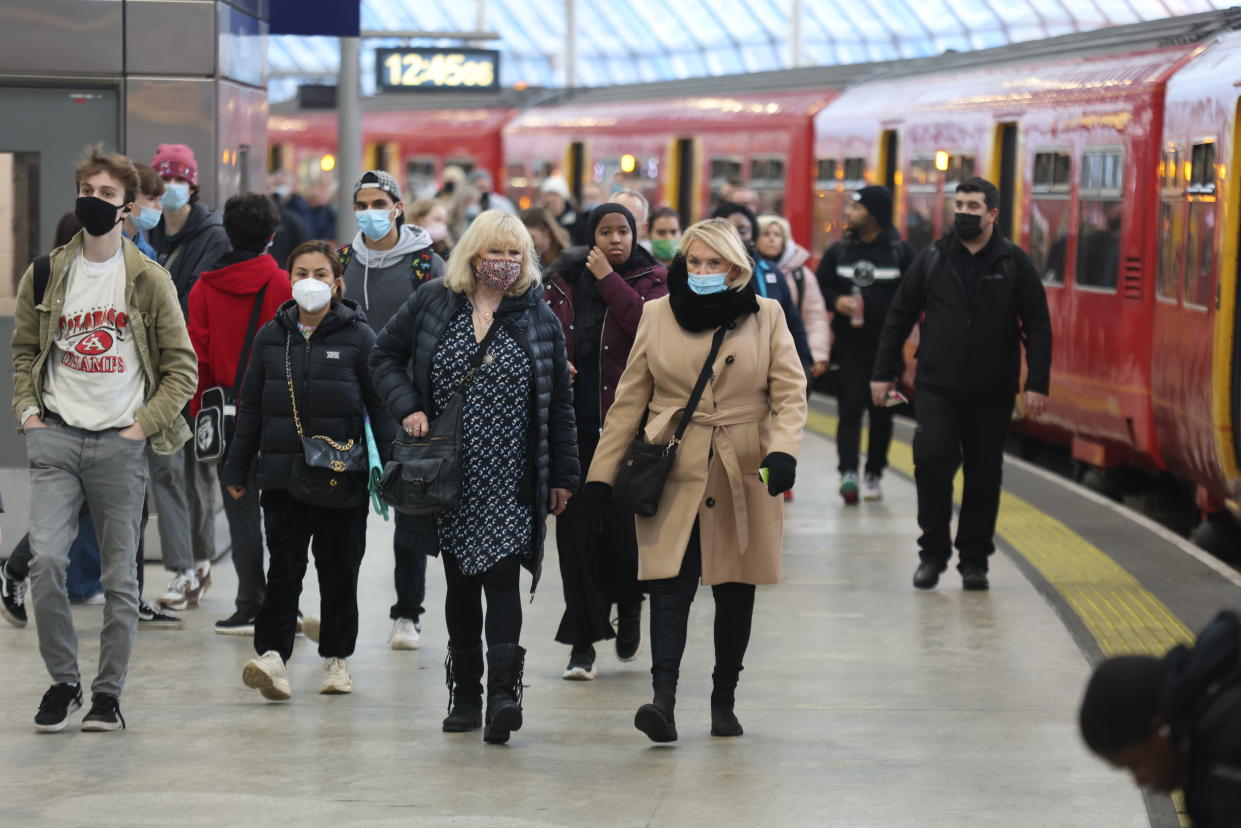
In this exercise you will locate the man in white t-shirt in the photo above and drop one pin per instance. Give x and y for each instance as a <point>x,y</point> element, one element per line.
<point>102,366</point>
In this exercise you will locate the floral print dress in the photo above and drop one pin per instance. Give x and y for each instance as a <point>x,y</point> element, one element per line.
<point>489,523</point>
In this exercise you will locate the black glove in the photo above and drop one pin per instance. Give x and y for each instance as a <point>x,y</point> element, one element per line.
<point>597,497</point>
<point>781,472</point>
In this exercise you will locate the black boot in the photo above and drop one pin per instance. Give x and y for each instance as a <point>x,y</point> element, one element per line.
<point>463,673</point>
<point>505,663</point>
<point>628,630</point>
<point>669,623</point>
<point>734,612</point>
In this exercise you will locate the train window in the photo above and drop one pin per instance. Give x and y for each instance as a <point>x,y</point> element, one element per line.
<point>1202,168</point>
<point>921,230</point>
<point>855,172</point>
<point>1049,238</point>
<point>1102,172</point>
<point>1171,248</point>
<point>1200,249</point>
<point>921,171</point>
<point>767,182</point>
<point>724,170</point>
<point>825,173</point>
<point>1052,172</point>
<point>420,177</point>
<point>1100,218</point>
<point>1170,169</point>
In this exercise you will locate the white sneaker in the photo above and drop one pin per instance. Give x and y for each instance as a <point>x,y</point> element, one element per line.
<point>871,490</point>
<point>336,679</point>
<point>178,594</point>
<point>268,675</point>
<point>405,635</point>
<point>96,600</point>
<point>309,626</point>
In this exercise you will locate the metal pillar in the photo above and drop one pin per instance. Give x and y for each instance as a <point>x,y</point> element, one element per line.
<point>349,134</point>
<point>795,14</point>
<point>570,44</point>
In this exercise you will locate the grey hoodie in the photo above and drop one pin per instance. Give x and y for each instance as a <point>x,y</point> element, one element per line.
<point>381,280</point>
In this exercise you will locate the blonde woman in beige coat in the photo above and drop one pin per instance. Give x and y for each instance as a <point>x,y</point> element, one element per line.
<point>718,522</point>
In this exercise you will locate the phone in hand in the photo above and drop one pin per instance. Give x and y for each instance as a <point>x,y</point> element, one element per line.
<point>894,399</point>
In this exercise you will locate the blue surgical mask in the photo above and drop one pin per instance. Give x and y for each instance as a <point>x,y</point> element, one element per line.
<point>374,224</point>
<point>146,218</point>
<point>176,195</point>
<point>708,283</point>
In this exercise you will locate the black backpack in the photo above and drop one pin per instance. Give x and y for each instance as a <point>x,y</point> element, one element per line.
<point>42,275</point>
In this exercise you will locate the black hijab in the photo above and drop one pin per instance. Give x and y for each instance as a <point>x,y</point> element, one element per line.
<point>702,312</point>
<point>639,256</point>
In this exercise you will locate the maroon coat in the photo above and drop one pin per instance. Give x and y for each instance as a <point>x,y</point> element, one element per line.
<point>625,296</point>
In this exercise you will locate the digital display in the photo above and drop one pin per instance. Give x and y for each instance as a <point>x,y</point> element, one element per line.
<point>417,68</point>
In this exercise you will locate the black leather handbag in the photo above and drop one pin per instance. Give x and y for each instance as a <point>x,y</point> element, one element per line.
<point>424,475</point>
<point>326,472</point>
<point>645,468</point>
<point>216,419</point>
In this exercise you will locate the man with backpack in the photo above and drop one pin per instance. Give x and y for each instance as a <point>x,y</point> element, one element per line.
<point>979,300</point>
<point>386,262</point>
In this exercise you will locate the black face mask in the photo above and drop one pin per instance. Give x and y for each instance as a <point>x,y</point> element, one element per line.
<point>98,217</point>
<point>968,226</point>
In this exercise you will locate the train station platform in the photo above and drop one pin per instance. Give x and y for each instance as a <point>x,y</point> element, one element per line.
<point>865,702</point>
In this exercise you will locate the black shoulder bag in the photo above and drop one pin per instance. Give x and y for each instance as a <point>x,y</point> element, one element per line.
<point>217,411</point>
<point>424,475</point>
<point>644,470</point>
<point>325,472</point>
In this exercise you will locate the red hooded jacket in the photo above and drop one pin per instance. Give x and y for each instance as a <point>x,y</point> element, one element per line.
<point>220,305</point>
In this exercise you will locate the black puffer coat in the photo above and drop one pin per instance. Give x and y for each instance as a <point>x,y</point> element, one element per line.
<point>414,333</point>
<point>334,392</point>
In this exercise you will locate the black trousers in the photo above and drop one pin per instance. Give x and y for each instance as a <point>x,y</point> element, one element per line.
<point>597,570</point>
<point>953,432</point>
<point>463,604</point>
<point>338,539</point>
<point>853,396</point>
<point>410,574</point>
<point>245,531</point>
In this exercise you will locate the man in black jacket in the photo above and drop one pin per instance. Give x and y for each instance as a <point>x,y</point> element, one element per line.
<point>870,260</point>
<point>1175,721</point>
<point>979,300</point>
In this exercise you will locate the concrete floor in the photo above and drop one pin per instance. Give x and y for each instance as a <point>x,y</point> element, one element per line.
<point>865,703</point>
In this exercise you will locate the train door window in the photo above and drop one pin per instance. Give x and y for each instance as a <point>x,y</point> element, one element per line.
<point>923,189</point>
<point>891,158</point>
<point>1199,254</point>
<point>959,168</point>
<point>767,182</point>
<point>1202,169</point>
<point>725,173</point>
<point>1049,214</point>
<point>420,177</point>
<point>1171,248</point>
<point>1100,217</point>
<point>1006,140</point>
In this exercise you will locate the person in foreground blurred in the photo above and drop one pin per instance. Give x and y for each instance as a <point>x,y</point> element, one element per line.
<point>718,522</point>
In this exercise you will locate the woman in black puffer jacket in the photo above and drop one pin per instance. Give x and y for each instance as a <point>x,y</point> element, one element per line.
<point>327,344</point>
<point>518,453</point>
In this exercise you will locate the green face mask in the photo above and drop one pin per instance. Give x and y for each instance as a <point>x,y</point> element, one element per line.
<point>664,249</point>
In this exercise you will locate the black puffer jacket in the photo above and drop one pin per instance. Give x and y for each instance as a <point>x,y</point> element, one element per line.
<point>414,333</point>
<point>334,392</point>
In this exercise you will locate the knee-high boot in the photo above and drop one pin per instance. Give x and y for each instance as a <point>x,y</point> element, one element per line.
<point>734,611</point>
<point>669,624</point>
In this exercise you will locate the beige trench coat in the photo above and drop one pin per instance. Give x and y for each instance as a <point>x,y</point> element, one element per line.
<point>755,405</point>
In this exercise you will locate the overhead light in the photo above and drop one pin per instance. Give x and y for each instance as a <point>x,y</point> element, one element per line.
<point>941,161</point>
<point>327,163</point>
<point>628,163</point>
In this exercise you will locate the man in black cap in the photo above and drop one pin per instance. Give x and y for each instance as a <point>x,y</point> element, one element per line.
<point>868,263</point>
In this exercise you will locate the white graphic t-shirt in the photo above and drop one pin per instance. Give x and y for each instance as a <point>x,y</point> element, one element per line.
<point>94,379</point>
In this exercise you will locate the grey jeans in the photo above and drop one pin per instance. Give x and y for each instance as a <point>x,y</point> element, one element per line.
<point>69,465</point>
<point>185,503</point>
<point>245,529</point>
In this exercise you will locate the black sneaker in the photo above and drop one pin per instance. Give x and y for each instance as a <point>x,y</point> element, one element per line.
<point>629,633</point>
<point>59,703</point>
<point>581,665</point>
<point>974,578</point>
<point>105,714</point>
<point>12,599</point>
<point>236,624</point>
<point>152,617</point>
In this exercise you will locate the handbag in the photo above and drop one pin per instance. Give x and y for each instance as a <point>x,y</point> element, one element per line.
<point>424,475</point>
<point>324,472</point>
<point>217,411</point>
<point>645,468</point>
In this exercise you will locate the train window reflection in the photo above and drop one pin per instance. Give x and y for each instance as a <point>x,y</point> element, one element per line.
<point>1098,243</point>
<point>1199,251</point>
<point>1171,248</point>
<point>1052,172</point>
<point>1202,169</point>
<point>1049,238</point>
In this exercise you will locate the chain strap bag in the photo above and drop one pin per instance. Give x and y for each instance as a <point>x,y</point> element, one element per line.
<point>217,410</point>
<point>424,475</point>
<point>645,468</point>
<point>325,472</point>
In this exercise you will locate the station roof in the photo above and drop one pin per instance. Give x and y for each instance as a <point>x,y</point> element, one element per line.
<point>657,40</point>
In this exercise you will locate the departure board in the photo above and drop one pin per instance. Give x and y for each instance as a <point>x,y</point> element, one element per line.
<point>426,68</point>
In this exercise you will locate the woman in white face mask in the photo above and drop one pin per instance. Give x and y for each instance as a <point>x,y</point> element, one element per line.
<point>308,387</point>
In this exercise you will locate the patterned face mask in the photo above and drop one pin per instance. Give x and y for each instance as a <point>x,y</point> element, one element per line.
<point>499,274</point>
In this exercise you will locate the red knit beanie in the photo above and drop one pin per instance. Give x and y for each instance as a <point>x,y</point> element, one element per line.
<point>175,161</point>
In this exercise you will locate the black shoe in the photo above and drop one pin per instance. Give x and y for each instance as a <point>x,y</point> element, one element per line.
<point>926,576</point>
<point>12,599</point>
<point>105,714</point>
<point>629,632</point>
<point>974,578</point>
<point>59,703</point>
<point>724,721</point>
<point>505,664</point>
<point>463,673</point>
<point>581,665</point>
<point>236,624</point>
<point>153,617</point>
<point>658,725</point>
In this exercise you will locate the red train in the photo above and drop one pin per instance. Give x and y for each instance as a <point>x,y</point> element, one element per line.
<point>1112,150</point>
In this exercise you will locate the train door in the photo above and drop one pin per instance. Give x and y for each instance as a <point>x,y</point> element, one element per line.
<point>1004,170</point>
<point>683,194</point>
<point>574,168</point>
<point>890,158</point>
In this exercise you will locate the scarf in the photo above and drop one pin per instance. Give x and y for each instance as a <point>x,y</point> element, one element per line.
<point>695,312</point>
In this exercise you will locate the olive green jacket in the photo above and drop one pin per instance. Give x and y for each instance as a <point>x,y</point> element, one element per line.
<point>168,361</point>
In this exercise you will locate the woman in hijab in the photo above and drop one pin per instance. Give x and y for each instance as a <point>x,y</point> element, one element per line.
<point>598,295</point>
